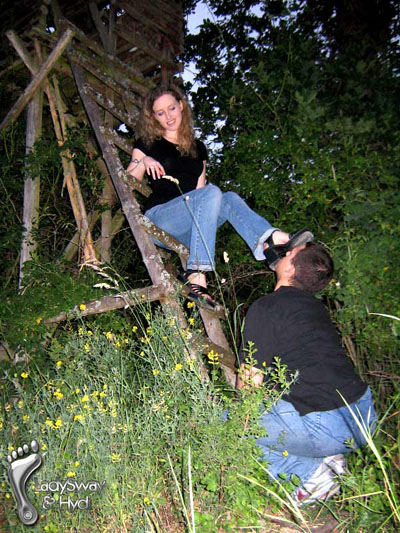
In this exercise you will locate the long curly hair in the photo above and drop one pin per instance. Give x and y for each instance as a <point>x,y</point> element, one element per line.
<point>150,129</point>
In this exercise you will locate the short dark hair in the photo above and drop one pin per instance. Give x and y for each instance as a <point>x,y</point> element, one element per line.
<point>313,268</point>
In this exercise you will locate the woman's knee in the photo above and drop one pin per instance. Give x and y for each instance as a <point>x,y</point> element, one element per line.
<point>212,191</point>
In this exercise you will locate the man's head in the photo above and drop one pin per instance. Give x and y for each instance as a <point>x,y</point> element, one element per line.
<point>307,267</point>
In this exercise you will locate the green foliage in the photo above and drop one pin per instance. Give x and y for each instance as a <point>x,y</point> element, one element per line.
<point>49,288</point>
<point>112,405</point>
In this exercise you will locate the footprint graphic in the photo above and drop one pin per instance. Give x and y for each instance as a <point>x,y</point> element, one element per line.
<point>19,472</point>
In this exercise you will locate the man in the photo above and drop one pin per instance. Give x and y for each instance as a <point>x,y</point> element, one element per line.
<point>309,429</point>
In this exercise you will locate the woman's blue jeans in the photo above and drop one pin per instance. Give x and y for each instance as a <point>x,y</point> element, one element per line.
<point>297,444</point>
<point>194,218</point>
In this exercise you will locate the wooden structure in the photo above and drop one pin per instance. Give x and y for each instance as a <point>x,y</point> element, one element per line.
<point>111,53</point>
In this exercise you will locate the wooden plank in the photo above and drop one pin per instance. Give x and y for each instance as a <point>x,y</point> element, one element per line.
<point>30,215</point>
<point>112,108</point>
<point>153,22</point>
<point>37,80</point>
<point>131,73</point>
<point>135,40</point>
<point>119,141</point>
<point>111,303</point>
<point>116,81</point>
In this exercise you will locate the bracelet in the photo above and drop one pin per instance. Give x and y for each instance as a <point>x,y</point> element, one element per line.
<point>137,161</point>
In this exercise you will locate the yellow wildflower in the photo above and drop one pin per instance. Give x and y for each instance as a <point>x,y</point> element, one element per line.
<point>178,366</point>
<point>109,335</point>
<point>102,394</point>
<point>213,358</point>
<point>58,364</point>
<point>24,375</point>
<point>20,404</point>
<point>76,464</point>
<point>190,305</point>
<point>77,391</point>
<point>90,332</point>
<point>147,501</point>
<point>82,307</point>
<point>58,394</point>
<point>39,319</point>
<point>85,398</point>
<point>44,447</point>
<point>134,328</point>
<point>87,347</point>
<point>80,331</point>
<point>115,457</point>
<point>105,386</point>
<point>58,423</point>
<point>71,474</point>
<point>25,418</point>
<point>11,448</point>
<point>285,453</point>
<point>191,321</point>
<point>79,417</point>
<point>155,371</point>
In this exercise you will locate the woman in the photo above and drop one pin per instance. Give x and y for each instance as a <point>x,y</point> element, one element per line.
<point>183,204</point>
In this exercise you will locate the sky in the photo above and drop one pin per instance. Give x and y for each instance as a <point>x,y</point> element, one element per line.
<point>194,20</point>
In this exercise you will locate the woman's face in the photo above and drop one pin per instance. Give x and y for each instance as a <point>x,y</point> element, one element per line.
<point>168,112</point>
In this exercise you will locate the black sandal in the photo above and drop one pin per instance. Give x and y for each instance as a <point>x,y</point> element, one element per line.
<point>197,293</point>
<point>275,252</point>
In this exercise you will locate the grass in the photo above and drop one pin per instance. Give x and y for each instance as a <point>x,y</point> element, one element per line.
<point>126,405</point>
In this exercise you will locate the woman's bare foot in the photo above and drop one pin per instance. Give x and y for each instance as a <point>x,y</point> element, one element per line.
<point>198,278</point>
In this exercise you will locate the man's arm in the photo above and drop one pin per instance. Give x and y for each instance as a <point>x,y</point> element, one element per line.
<point>258,335</point>
<point>246,376</point>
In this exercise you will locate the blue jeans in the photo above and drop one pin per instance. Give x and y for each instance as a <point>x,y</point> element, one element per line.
<point>194,218</point>
<point>310,438</point>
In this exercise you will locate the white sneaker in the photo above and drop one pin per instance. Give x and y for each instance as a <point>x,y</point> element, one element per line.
<point>320,486</point>
<point>337,463</point>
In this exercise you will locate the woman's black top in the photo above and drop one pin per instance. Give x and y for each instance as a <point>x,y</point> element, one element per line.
<point>186,169</point>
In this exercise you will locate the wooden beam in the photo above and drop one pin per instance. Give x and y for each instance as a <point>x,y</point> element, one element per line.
<point>154,22</point>
<point>119,141</point>
<point>30,216</point>
<point>37,80</point>
<point>112,78</point>
<point>111,107</point>
<point>111,303</point>
<point>135,39</point>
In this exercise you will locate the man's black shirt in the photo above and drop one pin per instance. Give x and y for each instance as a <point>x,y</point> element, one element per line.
<point>295,326</point>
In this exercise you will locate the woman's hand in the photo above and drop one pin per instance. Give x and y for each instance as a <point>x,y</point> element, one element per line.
<point>153,167</point>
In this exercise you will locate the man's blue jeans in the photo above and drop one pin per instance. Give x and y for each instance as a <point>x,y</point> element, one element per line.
<point>297,444</point>
<point>194,218</point>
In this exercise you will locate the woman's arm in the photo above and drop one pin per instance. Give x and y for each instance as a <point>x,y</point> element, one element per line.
<point>141,163</point>
<point>202,179</point>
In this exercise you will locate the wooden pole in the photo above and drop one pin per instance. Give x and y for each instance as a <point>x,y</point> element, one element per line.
<point>30,216</point>
<point>37,80</point>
